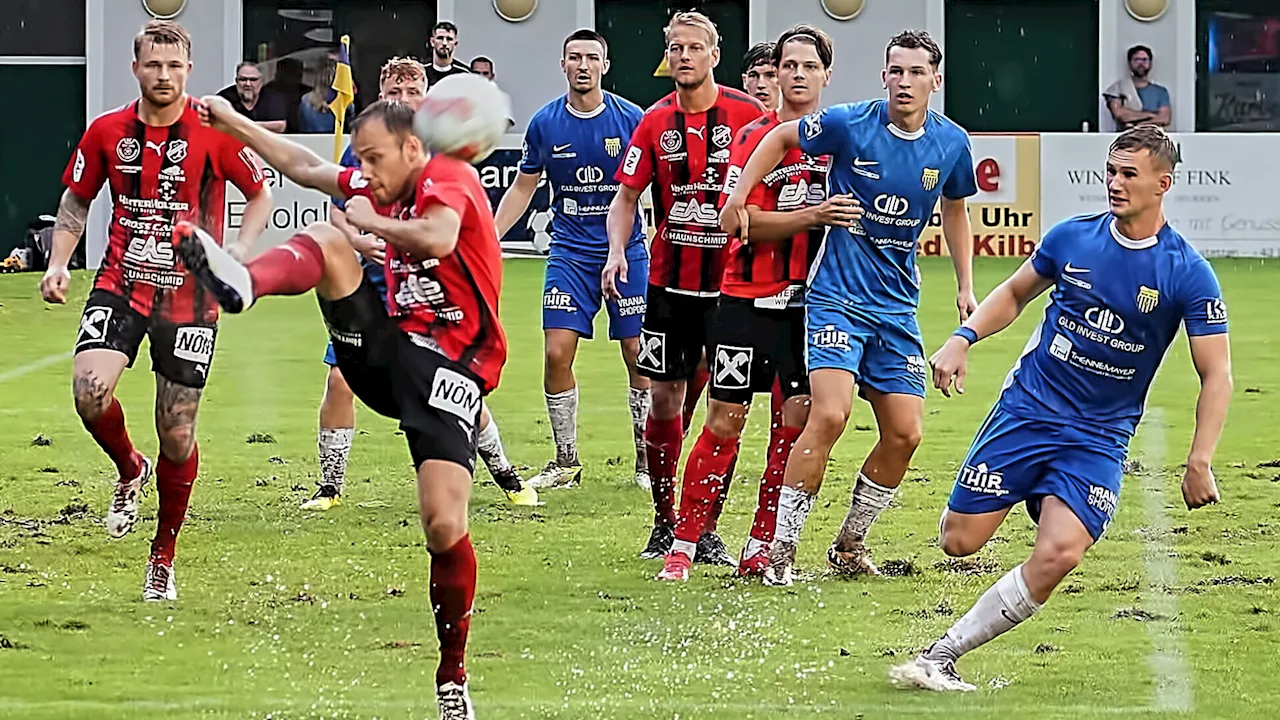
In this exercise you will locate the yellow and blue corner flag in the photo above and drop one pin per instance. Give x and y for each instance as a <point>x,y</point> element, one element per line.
<point>344,93</point>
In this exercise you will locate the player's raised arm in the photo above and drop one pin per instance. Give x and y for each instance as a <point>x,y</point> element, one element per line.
<point>293,160</point>
<point>433,233</point>
<point>771,150</point>
<point>997,311</point>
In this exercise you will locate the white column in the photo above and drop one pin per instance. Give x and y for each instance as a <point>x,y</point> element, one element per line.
<point>95,90</point>
<point>586,14</point>
<point>936,25</point>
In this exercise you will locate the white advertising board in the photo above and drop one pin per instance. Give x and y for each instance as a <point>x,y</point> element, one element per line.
<point>1222,200</point>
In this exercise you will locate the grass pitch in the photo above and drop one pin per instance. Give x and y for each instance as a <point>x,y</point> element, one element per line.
<point>286,615</point>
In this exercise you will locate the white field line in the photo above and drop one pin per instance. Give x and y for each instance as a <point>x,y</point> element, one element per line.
<point>21,370</point>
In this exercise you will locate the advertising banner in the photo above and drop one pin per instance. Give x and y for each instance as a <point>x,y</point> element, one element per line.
<point>1222,199</point>
<point>1005,214</point>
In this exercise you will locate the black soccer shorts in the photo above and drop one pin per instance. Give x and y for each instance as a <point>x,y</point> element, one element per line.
<point>674,334</point>
<point>750,346</point>
<point>180,353</point>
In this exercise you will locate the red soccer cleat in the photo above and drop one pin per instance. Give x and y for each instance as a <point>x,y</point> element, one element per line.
<point>676,568</point>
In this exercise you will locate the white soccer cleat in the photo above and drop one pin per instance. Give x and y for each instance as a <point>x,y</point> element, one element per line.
<point>643,480</point>
<point>159,586</point>
<point>224,276</point>
<point>123,514</point>
<point>455,702</point>
<point>557,476</point>
<point>925,674</point>
<point>851,562</point>
<point>780,571</point>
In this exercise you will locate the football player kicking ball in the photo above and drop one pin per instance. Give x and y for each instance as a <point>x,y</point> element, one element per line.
<point>428,355</point>
<point>682,147</point>
<point>757,336</point>
<point>403,80</point>
<point>577,140</point>
<point>163,167</point>
<point>1123,281</point>
<point>895,157</point>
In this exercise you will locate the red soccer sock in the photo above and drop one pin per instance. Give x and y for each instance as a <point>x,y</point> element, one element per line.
<point>766,519</point>
<point>113,437</point>
<point>662,441</point>
<point>453,590</point>
<point>692,394</point>
<point>291,268</point>
<point>704,481</point>
<point>713,519</point>
<point>174,481</point>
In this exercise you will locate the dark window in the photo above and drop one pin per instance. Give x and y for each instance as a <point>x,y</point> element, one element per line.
<point>42,27</point>
<point>1237,66</point>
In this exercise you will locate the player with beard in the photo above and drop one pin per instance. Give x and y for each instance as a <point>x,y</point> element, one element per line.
<point>757,337</point>
<point>896,158</point>
<point>402,80</point>
<point>162,168</point>
<point>577,140</point>
<point>682,147</point>
<point>444,43</point>
<point>427,353</point>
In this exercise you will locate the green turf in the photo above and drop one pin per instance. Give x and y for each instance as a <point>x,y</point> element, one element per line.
<point>290,616</point>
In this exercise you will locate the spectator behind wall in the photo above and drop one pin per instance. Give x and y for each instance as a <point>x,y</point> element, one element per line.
<point>314,115</point>
<point>1134,99</point>
<point>251,99</point>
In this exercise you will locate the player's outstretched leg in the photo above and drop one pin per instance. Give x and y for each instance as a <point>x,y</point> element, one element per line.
<point>899,418</point>
<point>704,480</point>
<point>176,407</point>
<point>560,387</point>
<point>333,440</point>
<point>1061,542</point>
<point>505,475</point>
<point>94,379</point>
<point>832,402</point>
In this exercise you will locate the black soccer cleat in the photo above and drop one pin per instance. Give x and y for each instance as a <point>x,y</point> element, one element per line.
<point>660,541</point>
<point>711,551</point>
<point>213,267</point>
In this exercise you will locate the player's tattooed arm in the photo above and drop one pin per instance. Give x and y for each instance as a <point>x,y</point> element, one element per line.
<point>73,213</point>
<point>515,202</point>
<point>294,161</point>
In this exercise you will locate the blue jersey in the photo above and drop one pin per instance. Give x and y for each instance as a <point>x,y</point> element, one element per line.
<point>580,154</point>
<point>897,177</point>
<point>1116,305</point>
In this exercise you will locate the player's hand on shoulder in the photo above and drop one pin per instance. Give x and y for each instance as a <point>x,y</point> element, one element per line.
<point>213,109</point>
<point>1199,488</point>
<point>950,363</point>
<point>360,212</point>
<point>54,284</point>
<point>615,269</point>
<point>371,247</point>
<point>839,211</point>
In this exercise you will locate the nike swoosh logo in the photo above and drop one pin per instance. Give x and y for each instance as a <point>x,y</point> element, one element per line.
<point>858,162</point>
<point>1071,269</point>
<point>561,148</point>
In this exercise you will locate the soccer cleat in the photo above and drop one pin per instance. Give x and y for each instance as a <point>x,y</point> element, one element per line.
<point>782,557</point>
<point>659,542</point>
<point>676,568</point>
<point>455,702</point>
<point>711,551</point>
<point>159,587</point>
<point>327,497</point>
<point>555,475</point>
<point>753,566</point>
<point>213,267</point>
<point>123,514</point>
<point>853,562</point>
<point>927,674</point>
<point>643,480</point>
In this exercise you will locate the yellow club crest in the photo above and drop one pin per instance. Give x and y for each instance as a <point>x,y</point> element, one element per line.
<point>1148,298</point>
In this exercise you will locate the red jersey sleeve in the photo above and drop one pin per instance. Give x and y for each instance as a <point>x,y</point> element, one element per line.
<point>87,169</point>
<point>352,183</point>
<point>240,166</point>
<point>448,193</point>
<point>636,169</point>
<point>745,143</point>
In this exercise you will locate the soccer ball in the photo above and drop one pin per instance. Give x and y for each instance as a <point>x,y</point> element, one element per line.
<point>463,116</point>
<point>540,230</point>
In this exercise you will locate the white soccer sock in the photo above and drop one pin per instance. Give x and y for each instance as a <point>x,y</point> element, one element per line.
<point>562,408</point>
<point>868,500</point>
<point>1000,608</point>
<point>489,447</point>
<point>639,399</point>
<point>684,547</point>
<point>794,506</point>
<point>334,446</point>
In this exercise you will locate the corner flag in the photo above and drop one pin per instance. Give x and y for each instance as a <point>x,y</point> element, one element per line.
<point>344,93</point>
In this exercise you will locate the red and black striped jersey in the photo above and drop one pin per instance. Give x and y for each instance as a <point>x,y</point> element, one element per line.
<point>157,177</point>
<point>448,304</point>
<point>686,156</point>
<point>774,274</point>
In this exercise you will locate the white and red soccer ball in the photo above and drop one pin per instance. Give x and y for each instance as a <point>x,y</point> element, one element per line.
<point>463,116</point>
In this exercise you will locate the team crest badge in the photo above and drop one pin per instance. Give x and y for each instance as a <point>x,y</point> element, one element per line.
<point>177,151</point>
<point>670,141</point>
<point>1148,298</point>
<point>929,179</point>
<point>613,146</point>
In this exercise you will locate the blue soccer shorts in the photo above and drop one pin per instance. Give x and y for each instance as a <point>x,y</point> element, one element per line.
<point>1015,460</point>
<point>884,353</point>
<point>572,295</point>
